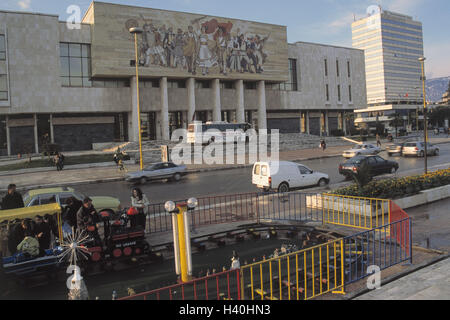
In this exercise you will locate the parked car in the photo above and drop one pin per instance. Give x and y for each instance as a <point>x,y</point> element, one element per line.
<point>418,149</point>
<point>60,195</point>
<point>157,171</point>
<point>283,176</point>
<point>361,149</point>
<point>377,166</point>
<point>395,148</point>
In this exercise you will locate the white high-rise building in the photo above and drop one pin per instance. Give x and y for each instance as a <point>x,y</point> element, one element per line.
<point>392,44</point>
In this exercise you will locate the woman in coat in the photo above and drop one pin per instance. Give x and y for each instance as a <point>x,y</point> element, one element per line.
<point>141,203</point>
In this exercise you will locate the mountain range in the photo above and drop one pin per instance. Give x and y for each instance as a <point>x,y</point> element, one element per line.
<point>436,88</point>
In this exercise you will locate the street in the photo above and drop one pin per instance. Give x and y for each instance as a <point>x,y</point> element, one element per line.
<point>237,181</point>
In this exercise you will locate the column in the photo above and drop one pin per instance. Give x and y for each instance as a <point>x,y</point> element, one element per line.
<point>8,136</point>
<point>240,108</point>
<point>191,99</point>
<point>36,138</point>
<point>217,111</point>
<point>262,112</point>
<point>133,133</point>
<point>327,128</point>
<point>308,131</point>
<point>52,133</point>
<point>344,123</point>
<point>164,109</point>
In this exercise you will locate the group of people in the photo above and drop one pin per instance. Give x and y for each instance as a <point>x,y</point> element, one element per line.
<point>30,238</point>
<point>208,45</point>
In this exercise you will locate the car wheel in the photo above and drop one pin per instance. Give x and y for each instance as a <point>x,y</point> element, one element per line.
<point>393,170</point>
<point>422,154</point>
<point>283,188</point>
<point>143,180</point>
<point>176,177</point>
<point>390,154</point>
<point>323,182</point>
<point>436,152</point>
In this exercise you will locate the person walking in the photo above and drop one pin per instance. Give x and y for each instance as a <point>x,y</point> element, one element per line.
<point>378,140</point>
<point>323,145</point>
<point>141,203</point>
<point>13,200</point>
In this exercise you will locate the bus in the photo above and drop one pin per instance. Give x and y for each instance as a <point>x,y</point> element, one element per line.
<point>217,132</point>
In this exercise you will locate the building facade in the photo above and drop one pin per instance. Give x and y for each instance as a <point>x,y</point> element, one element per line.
<point>77,86</point>
<point>392,43</point>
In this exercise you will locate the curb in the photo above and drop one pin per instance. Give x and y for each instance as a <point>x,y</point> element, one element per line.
<point>388,280</point>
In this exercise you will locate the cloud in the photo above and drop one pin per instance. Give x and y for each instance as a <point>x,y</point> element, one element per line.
<point>24,4</point>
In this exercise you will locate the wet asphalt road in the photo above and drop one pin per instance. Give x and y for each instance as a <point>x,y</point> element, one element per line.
<point>239,180</point>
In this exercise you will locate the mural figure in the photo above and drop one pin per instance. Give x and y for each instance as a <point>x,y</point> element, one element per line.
<point>211,46</point>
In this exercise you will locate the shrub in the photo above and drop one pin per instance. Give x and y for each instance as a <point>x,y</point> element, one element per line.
<point>398,187</point>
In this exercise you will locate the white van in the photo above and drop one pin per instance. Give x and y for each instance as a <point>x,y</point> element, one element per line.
<point>284,176</point>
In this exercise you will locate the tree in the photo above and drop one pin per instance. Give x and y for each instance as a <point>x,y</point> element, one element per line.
<point>362,177</point>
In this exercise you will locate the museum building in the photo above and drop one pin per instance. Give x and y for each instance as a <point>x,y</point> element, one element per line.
<point>75,85</point>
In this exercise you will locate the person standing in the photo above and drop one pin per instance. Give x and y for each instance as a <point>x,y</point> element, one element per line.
<point>43,233</point>
<point>141,203</point>
<point>378,140</point>
<point>13,200</point>
<point>73,205</point>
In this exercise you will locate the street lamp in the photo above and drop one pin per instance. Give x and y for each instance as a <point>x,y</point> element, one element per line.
<point>422,62</point>
<point>137,31</point>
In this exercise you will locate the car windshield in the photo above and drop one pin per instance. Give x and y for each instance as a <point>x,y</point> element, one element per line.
<point>355,160</point>
<point>79,195</point>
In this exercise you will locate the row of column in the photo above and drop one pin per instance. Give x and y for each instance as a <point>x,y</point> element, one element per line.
<point>216,105</point>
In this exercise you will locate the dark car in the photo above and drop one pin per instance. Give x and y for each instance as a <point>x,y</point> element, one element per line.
<point>376,164</point>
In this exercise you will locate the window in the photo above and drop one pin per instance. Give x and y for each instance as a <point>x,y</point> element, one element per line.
<point>337,68</point>
<point>2,47</point>
<point>176,84</point>
<point>203,84</point>
<point>304,170</point>
<point>75,61</point>
<point>111,83</point>
<point>257,169</point>
<point>226,85</point>
<point>339,92</point>
<point>264,171</point>
<point>250,85</point>
<point>3,87</point>
<point>350,93</point>
<point>292,84</point>
<point>326,67</point>
<point>348,69</point>
<point>327,92</point>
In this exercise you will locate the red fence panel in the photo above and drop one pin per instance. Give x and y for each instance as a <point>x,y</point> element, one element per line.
<point>220,286</point>
<point>401,232</point>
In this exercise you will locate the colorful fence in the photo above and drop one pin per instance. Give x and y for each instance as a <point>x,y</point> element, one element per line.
<point>221,286</point>
<point>382,247</point>
<point>302,275</point>
<point>355,212</point>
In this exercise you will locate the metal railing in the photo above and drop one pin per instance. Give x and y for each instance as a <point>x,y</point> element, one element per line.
<point>220,286</point>
<point>355,212</point>
<point>301,275</point>
<point>382,247</point>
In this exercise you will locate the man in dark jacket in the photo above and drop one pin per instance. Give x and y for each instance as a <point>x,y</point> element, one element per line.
<point>17,234</point>
<point>87,217</point>
<point>13,199</point>
<point>73,205</point>
<point>42,232</point>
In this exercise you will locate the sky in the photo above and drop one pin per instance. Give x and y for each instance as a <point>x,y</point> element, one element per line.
<point>319,21</point>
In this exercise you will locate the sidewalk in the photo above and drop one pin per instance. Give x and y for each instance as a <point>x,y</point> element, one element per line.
<point>107,172</point>
<point>429,283</point>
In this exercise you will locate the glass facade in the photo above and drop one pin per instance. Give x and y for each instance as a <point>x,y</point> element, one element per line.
<point>75,59</point>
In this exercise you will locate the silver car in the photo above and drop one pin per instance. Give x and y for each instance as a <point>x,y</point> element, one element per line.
<point>361,150</point>
<point>417,149</point>
<point>157,171</point>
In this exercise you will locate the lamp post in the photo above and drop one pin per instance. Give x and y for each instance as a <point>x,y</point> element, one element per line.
<point>422,62</point>
<point>137,31</point>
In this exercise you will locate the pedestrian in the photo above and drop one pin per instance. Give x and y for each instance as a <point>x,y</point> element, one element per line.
<point>141,203</point>
<point>43,233</point>
<point>323,145</point>
<point>378,140</point>
<point>13,200</point>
